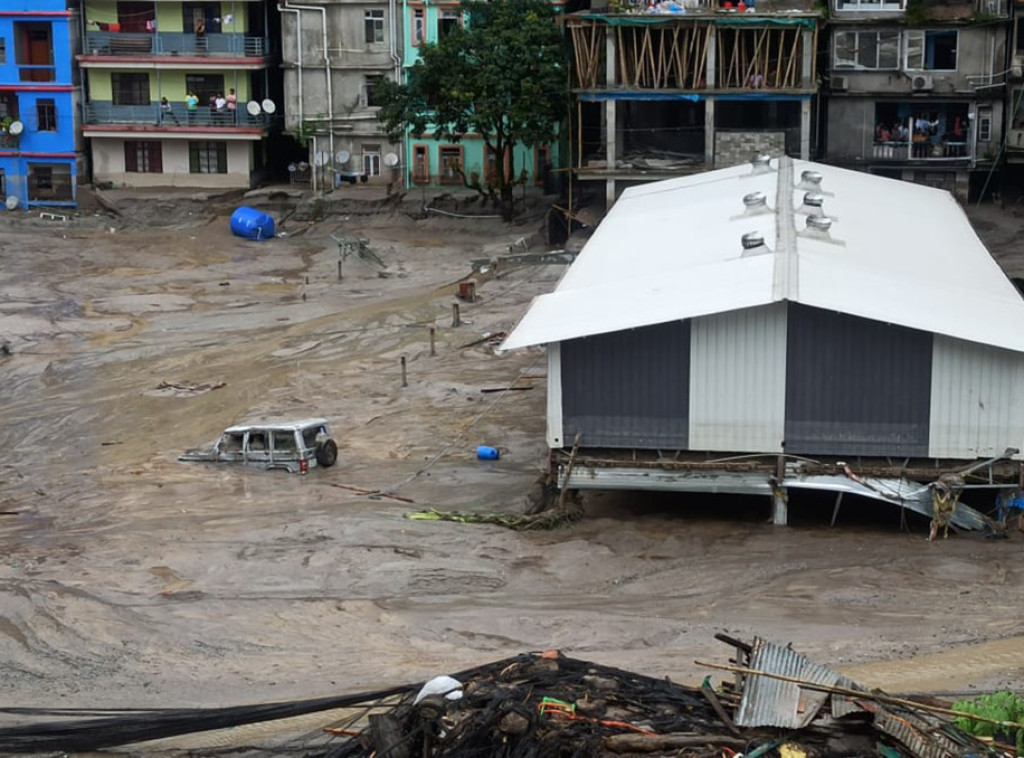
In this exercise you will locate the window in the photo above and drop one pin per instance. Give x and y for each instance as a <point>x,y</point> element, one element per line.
<point>867,50</point>
<point>371,160</point>
<point>49,181</point>
<point>418,26</point>
<point>450,19</point>
<point>8,106</point>
<point>930,50</point>
<point>420,164</point>
<point>33,51</point>
<point>130,89</point>
<point>374,21</point>
<point>451,164</point>
<point>135,16</point>
<point>208,157</point>
<point>541,165</point>
<point>143,157</point>
<point>370,86</point>
<point>3,50</point>
<point>984,124</point>
<point>46,114</point>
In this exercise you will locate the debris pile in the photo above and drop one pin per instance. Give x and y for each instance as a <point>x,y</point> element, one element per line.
<point>775,702</point>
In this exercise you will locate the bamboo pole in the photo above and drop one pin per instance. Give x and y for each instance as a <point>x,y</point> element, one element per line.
<point>860,695</point>
<point>778,65</point>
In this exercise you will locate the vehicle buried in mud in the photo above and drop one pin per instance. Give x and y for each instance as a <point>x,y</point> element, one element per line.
<point>294,446</point>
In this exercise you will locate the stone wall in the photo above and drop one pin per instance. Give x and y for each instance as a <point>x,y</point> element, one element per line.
<point>734,148</point>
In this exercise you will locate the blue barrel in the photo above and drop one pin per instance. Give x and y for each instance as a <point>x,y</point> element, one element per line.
<point>252,224</point>
<point>487,453</point>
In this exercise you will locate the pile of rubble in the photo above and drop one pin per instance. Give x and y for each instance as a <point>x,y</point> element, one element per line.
<point>775,702</point>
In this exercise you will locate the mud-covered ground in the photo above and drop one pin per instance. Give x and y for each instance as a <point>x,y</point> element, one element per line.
<point>128,578</point>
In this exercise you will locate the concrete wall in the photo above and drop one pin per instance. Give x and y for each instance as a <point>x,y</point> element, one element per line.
<point>169,17</point>
<point>981,52</point>
<point>108,166</point>
<point>169,83</point>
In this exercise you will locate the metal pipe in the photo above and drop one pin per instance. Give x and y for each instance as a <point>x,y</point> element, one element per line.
<point>393,40</point>
<point>327,62</point>
<point>298,52</point>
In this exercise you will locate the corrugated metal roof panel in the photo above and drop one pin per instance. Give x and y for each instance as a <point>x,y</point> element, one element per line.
<point>774,702</point>
<point>911,247</point>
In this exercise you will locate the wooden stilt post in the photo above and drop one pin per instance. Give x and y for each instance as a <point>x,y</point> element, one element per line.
<point>405,379</point>
<point>433,335</point>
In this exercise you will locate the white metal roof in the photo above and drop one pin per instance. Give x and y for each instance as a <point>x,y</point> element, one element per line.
<point>896,252</point>
<point>287,425</point>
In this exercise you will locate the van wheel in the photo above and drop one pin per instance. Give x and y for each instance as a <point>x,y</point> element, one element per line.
<point>327,453</point>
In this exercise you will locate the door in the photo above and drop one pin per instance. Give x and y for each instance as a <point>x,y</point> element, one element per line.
<point>257,447</point>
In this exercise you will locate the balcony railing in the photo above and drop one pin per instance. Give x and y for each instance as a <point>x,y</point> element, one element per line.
<point>921,151</point>
<point>165,44</point>
<point>97,113</point>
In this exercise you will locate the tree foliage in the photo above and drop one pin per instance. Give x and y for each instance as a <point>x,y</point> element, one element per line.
<point>501,76</point>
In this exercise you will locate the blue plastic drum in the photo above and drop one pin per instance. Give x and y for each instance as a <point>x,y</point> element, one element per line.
<point>487,453</point>
<point>252,224</point>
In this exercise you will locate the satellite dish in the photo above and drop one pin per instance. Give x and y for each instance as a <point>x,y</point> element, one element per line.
<point>16,127</point>
<point>11,202</point>
<point>253,108</point>
<point>321,158</point>
<point>391,159</point>
<point>341,157</point>
<point>268,106</point>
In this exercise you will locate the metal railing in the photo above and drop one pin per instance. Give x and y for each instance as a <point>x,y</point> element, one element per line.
<point>922,150</point>
<point>108,113</point>
<point>162,44</point>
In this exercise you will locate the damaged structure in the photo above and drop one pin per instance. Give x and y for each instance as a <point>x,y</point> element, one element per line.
<point>784,325</point>
<point>661,94</point>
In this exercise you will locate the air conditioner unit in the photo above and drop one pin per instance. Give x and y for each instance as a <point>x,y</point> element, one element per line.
<point>840,83</point>
<point>921,83</point>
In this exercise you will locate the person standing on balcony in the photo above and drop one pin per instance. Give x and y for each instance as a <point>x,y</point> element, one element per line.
<point>199,26</point>
<point>232,99</point>
<point>166,110</point>
<point>192,105</point>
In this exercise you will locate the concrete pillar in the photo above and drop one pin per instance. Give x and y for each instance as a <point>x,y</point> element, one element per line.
<point>807,63</point>
<point>611,123</point>
<point>780,508</point>
<point>712,56</point>
<point>709,132</point>
<point>805,129</point>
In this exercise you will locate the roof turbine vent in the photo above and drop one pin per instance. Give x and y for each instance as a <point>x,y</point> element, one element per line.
<point>762,163</point>
<point>753,244</point>
<point>810,180</point>
<point>755,203</point>
<point>812,204</point>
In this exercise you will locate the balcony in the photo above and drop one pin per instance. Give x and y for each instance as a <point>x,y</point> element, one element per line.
<point>99,113</point>
<point>174,44</point>
<point>925,150</point>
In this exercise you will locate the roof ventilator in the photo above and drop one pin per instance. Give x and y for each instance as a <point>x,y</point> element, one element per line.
<point>762,163</point>
<point>753,244</point>
<point>755,204</point>
<point>812,204</point>
<point>818,228</point>
<point>810,180</point>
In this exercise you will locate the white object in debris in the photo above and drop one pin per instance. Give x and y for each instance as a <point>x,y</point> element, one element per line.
<point>441,685</point>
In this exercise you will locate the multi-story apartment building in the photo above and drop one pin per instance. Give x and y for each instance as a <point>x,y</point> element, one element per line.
<point>334,52</point>
<point>673,88</point>
<point>145,60</point>
<point>37,104</point>
<point>432,162</point>
<point>917,89</point>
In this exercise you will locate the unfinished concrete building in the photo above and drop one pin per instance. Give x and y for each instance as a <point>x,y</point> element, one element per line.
<point>916,90</point>
<point>683,86</point>
<point>334,53</point>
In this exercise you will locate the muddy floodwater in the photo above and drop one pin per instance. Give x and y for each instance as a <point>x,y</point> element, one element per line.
<point>128,578</point>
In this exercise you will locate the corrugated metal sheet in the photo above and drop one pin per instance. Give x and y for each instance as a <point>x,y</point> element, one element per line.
<point>854,386</point>
<point>629,389</point>
<point>977,392</point>
<point>738,380</point>
<point>897,253</point>
<point>773,702</point>
<point>647,479</point>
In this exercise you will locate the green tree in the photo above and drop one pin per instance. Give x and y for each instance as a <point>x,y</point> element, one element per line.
<point>502,76</point>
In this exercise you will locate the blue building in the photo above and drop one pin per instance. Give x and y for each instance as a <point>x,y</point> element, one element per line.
<point>37,114</point>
